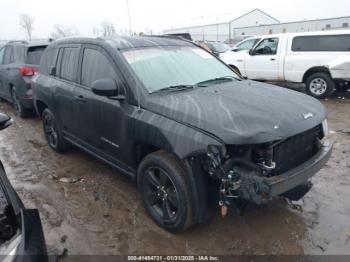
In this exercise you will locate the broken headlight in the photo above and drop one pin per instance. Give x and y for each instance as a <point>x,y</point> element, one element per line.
<point>217,150</point>
<point>215,155</point>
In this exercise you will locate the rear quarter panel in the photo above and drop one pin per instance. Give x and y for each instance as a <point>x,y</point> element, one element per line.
<point>43,89</point>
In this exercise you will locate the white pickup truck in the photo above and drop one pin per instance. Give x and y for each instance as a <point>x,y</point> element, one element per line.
<point>321,60</point>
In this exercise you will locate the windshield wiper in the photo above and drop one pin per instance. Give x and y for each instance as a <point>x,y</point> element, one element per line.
<point>174,88</point>
<point>218,79</point>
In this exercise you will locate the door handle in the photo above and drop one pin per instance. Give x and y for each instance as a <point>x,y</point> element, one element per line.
<point>272,59</point>
<point>80,99</point>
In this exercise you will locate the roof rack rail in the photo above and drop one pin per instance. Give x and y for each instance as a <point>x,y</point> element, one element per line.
<point>17,41</point>
<point>171,37</point>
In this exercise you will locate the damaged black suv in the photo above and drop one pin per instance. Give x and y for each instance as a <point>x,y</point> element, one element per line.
<point>178,120</point>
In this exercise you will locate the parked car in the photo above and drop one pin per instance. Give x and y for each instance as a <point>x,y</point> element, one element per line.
<point>217,48</point>
<point>320,60</point>
<point>245,44</point>
<point>177,119</point>
<point>19,60</point>
<point>21,233</point>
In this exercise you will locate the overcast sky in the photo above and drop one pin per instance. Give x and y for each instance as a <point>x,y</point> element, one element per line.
<point>155,15</point>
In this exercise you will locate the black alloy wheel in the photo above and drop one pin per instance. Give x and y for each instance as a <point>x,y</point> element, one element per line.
<point>52,132</point>
<point>161,194</point>
<point>50,129</point>
<point>166,191</point>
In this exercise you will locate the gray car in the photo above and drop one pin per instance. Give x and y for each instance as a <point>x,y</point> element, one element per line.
<point>19,61</point>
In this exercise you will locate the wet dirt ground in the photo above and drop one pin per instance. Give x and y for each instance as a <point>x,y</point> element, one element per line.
<point>88,208</point>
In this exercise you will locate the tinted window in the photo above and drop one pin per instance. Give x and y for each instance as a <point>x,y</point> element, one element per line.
<point>267,46</point>
<point>2,52</point>
<point>68,67</point>
<point>95,66</point>
<point>48,60</point>
<point>321,43</point>
<point>34,54</point>
<point>8,57</point>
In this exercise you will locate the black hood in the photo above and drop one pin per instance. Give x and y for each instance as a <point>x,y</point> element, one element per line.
<point>241,112</point>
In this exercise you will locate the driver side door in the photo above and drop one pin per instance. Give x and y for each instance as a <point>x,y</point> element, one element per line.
<point>98,117</point>
<point>262,62</point>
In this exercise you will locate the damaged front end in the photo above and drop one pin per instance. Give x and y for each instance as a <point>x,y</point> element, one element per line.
<point>259,172</point>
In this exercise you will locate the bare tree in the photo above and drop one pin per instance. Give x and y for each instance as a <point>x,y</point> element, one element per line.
<point>26,22</point>
<point>107,29</point>
<point>96,31</point>
<point>60,31</point>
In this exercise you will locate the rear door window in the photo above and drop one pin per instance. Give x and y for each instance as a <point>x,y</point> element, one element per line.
<point>325,43</point>
<point>95,66</point>
<point>68,63</point>
<point>34,54</point>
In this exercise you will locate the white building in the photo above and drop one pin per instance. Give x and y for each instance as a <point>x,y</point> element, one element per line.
<point>257,22</point>
<point>221,31</point>
<point>292,27</point>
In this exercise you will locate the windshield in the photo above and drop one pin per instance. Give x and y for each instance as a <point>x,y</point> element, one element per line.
<point>159,68</point>
<point>218,47</point>
<point>247,44</point>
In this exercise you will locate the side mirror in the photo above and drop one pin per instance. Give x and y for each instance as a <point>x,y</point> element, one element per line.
<point>252,52</point>
<point>52,71</point>
<point>235,49</point>
<point>5,121</point>
<point>106,87</point>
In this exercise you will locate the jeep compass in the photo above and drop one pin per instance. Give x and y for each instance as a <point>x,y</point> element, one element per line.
<point>179,121</point>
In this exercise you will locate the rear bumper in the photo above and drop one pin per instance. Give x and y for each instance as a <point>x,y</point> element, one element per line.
<point>24,93</point>
<point>27,103</point>
<point>278,185</point>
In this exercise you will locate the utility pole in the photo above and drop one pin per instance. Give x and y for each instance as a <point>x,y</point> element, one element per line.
<point>127,5</point>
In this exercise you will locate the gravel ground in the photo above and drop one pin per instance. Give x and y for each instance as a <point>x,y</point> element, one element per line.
<point>88,208</point>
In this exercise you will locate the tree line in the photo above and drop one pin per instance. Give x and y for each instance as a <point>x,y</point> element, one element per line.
<point>105,29</point>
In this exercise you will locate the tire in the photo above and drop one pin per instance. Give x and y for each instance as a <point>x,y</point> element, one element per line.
<point>52,132</point>
<point>165,191</point>
<point>320,85</point>
<point>20,111</point>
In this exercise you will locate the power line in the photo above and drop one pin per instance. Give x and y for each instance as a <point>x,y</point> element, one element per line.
<point>129,18</point>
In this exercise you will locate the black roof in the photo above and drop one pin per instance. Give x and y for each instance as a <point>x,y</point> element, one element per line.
<point>128,42</point>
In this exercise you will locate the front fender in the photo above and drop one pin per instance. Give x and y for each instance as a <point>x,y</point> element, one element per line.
<point>188,143</point>
<point>167,134</point>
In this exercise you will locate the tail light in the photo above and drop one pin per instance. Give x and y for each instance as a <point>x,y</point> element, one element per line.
<point>28,71</point>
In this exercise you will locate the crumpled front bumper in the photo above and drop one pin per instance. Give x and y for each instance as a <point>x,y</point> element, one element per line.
<point>263,189</point>
<point>277,185</point>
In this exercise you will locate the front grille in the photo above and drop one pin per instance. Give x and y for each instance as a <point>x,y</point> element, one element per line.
<point>295,150</point>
